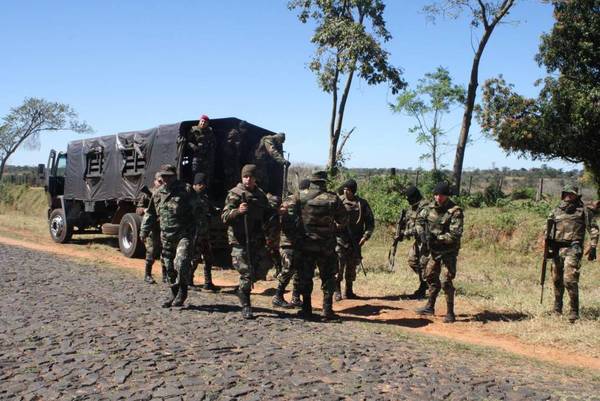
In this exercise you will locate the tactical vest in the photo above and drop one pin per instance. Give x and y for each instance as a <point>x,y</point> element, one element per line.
<point>570,226</point>
<point>439,223</point>
<point>318,208</point>
<point>257,204</point>
<point>412,214</point>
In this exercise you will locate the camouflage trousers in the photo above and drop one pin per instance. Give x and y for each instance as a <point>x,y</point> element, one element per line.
<point>203,252</point>
<point>416,261</point>
<point>565,270</point>
<point>241,263</point>
<point>433,271</point>
<point>326,260</point>
<point>348,261</point>
<point>153,245</point>
<point>176,255</point>
<point>290,261</point>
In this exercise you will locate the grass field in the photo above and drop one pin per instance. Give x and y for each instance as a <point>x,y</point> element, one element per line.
<point>497,280</point>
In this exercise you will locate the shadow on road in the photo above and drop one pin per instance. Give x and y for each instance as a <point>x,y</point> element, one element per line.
<point>493,316</point>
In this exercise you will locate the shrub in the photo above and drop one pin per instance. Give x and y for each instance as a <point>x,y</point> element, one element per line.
<point>523,193</point>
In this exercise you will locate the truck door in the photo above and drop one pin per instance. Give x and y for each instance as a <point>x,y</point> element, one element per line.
<point>55,179</point>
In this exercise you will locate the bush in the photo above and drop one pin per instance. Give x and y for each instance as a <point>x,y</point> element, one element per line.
<point>523,193</point>
<point>492,193</point>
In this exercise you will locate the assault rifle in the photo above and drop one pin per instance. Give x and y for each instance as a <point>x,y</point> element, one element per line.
<point>549,252</point>
<point>246,232</point>
<point>284,190</point>
<point>399,237</point>
<point>354,245</point>
<point>425,239</point>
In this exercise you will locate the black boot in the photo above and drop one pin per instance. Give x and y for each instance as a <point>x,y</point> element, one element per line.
<point>306,311</point>
<point>349,294</point>
<point>148,272</point>
<point>574,305</point>
<point>181,295</point>
<point>337,294</point>
<point>421,292</point>
<point>328,314</point>
<point>246,307</point>
<point>450,317</point>
<point>558,304</point>
<point>165,277</point>
<point>429,308</point>
<point>174,289</point>
<point>279,301</point>
<point>192,274</point>
<point>208,284</point>
<point>296,301</point>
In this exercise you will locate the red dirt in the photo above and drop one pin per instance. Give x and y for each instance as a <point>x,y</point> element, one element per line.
<point>399,313</point>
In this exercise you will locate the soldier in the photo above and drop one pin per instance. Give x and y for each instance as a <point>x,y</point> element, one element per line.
<point>361,224</point>
<point>440,227</point>
<point>232,152</point>
<point>323,215</point>
<point>247,210</point>
<point>273,230</point>
<point>202,247</point>
<point>571,218</point>
<point>173,204</point>
<point>152,242</point>
<point>201,141</point>
<point>269,149</point>
<point>416,259</point>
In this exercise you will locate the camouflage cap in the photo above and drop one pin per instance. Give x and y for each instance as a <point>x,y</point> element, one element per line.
<point>318,176</point>
<point>280,137</point>
<point>249,170</point>
<point>167,169</point>
<point>570,189</point>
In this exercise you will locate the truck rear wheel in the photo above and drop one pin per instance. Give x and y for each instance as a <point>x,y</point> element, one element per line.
<point>130,243</point>
<point>60,230</point>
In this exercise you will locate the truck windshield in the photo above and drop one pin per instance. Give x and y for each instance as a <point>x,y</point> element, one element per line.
<point>61,165</point>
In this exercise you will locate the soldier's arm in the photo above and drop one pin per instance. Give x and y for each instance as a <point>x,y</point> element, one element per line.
<point>592,227</point>
<point>149,220</point>
<point>455,228</point>
<point>274,152</point>
<point>340,215</point>
<point>369,221</point>
<point>230,210</point>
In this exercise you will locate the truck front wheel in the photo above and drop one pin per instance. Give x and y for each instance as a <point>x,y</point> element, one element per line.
<point>60,230</point>
<point>130,243</point>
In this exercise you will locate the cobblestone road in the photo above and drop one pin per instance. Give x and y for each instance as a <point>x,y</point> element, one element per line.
<point>80,332</point>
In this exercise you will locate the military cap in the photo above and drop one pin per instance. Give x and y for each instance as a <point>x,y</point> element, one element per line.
<point>413,195</point>
<point>304,184</point>
<point>319,175</point>
<point>200,178</point>
<point>442,188</point>
<point>249,169</point>
<point>167,169</point>
<point>280,136</point>
<point>351,185</point>
<point>570,189</point>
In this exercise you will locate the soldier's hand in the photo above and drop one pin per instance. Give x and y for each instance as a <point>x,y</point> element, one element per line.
<point>591,254</point>
<point>362,241</point>
<point>243,208</point>
<point>283,210</point>
<point>287,163</point>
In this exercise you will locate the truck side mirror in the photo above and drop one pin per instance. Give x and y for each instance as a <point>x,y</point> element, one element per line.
<point>41,171</point>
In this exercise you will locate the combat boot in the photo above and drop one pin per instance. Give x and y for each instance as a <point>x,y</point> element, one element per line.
<point>349,294</point>
<point>337,294</point>
<point>558,305</point>
<point>165,277</point>
<point>279,301</point>
<point>148,272</point>
<point>574,308</point>
<point>181,295</point>
<point>208,284</point>
<point>169,301</point>
<point>306,311</point>
<point>429,308</point>
<point>450,317</point>
<point>246,307</point>
<point>421,292</point>
<point>296,301</point>
<point>328,314</point>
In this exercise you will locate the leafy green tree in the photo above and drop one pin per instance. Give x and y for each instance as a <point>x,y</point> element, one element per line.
<point>348,37</point>
<point>564,120</point>
<point>24,124</point>
<point>432,98</point>
<point>486,14</point>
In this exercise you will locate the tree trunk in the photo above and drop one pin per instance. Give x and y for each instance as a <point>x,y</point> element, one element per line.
<point>2,165</point>
<point>339,119</point>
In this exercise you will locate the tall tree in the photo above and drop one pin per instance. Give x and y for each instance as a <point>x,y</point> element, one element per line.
<point>486,14</point>
<point>564,121</point>
<point>24,124</point>
<point>348,39</point>
<point>432,98</point>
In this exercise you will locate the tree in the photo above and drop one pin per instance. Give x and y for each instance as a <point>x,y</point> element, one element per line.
<point>24,124</point>
<point>483,13</point>
<point>428,103</point>
<point>564,121</point>
<point>348,39</point>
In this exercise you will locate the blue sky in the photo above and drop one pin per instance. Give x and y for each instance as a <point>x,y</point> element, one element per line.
<point>127,65</point>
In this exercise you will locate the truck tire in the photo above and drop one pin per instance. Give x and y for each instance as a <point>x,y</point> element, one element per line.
<point>60,230</point>
<point>130,243</point>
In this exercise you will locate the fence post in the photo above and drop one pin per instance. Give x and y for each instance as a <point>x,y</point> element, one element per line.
<point>540,192</point>
<point>500,183</point>
<point>470,183</point>
<point>417,178</point>
<point>393,171</point>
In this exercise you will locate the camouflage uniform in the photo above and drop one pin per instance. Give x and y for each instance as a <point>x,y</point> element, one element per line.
<point>323,215</point>
<point>361,224</point>
<point>269,149</point>
<point>152,241</point>
<point>444,223</point>
<point>173,205</point>
<point>232,152</point>
<point>273,232</point>
<point>571,220</point>
<point>202,248</point>
<point>259,212</point>
<point>203,145</point>
<point>417,261</point>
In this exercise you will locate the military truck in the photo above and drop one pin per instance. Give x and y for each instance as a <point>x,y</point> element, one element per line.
<point>95,186</point>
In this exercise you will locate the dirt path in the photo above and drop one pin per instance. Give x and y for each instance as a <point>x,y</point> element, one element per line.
<point>399,313</point>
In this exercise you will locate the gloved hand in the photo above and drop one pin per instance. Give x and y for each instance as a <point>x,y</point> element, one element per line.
<point>591,253</point>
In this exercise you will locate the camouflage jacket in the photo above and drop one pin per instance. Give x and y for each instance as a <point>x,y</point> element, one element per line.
<point>175,208</point>
<point>203,143</point>
<point>360,221</point>
<point>445,225</point>
<point>204,212</point>
<point>323,217</point>
<point>259,213</point>
<point>292,229</point>
<point>572,220</point>
<point>267,148</point>
<point>411,218</point>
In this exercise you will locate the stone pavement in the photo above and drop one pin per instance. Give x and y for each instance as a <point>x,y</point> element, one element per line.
<point>71,331</point>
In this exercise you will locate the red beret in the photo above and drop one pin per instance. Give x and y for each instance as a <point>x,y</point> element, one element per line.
<point>204,117</point>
